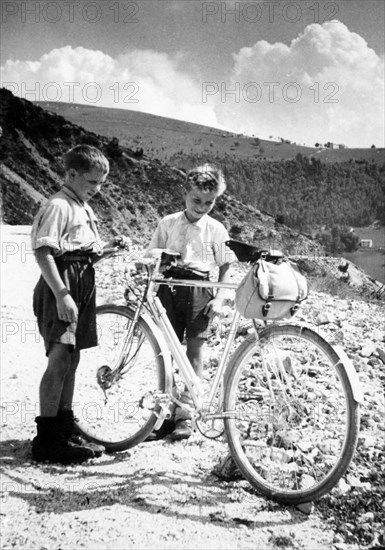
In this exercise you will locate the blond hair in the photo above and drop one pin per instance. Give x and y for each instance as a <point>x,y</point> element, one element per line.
<point>84,158</point>
<point>207,178</point>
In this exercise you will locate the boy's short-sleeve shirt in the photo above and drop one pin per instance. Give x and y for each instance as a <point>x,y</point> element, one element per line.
<point>201,244</point>
<point>66,224</point>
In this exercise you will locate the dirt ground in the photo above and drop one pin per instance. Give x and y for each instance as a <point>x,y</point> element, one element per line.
<point>157,495</point>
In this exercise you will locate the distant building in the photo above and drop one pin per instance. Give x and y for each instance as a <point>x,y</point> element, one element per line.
<point>366,243</point>
<point>330,145</point>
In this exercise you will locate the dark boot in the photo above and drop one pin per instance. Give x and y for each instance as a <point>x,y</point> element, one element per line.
<point>50,444</point>
<point>166,428</point>
<point>67,422</point>
<point>182,430</point>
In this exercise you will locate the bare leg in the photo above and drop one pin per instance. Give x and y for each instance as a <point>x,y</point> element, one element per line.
<point>51,385</point>
<point>67,393</point>
<point>195,353</point>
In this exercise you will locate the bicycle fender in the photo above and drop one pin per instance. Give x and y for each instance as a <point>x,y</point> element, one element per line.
<point>163,349</point>
<point>351,373</point>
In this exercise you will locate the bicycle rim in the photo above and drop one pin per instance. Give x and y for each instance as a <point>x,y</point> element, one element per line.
<point>121,416</point>
<point>292,421</point>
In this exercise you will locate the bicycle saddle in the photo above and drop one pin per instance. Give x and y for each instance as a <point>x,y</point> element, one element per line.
<point>169,256</point>
<point>250,253</point>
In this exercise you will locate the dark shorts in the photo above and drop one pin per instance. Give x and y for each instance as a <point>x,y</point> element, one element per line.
<point>79,279</point>
<point>184,307</point>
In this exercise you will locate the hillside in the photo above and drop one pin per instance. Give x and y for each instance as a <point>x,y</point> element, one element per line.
<point>139,190</point>
<point>304,188</point>
<point>164,137</point>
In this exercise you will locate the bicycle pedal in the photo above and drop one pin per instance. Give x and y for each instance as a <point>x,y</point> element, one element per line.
<point>160,420</point>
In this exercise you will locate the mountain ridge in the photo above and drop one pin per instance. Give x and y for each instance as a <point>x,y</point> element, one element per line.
<point>119,123</point>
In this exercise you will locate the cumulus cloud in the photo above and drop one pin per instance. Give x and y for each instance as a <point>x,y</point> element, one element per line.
<point>141,80</point>
<point>327,85</point>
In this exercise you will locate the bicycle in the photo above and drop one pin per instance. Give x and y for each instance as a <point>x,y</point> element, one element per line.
<point>287,400</point>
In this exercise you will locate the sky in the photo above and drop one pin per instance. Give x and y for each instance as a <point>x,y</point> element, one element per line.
<point>308,71</point>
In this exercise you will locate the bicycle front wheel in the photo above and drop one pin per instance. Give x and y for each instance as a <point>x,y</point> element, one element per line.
<point>292,422</point>
<point>116,381</point>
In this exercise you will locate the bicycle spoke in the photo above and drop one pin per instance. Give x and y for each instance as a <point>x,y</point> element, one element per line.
<point>292,415</point>
<point>115,379</point>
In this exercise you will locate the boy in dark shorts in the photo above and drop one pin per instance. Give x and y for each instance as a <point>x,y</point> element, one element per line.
<point>200,239</point>
<point>66,243</point>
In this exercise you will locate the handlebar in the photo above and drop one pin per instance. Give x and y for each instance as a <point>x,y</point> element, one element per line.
<point>167,259</point>
<point>107,253</point>
<point>162,268</point>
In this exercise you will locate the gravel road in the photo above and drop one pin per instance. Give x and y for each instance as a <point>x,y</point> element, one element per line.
<point>158,495</point>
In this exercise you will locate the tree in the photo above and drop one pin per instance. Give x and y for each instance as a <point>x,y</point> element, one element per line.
<point>349,240</point>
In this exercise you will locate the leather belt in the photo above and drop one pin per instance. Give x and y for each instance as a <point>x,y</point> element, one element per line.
<point>76,257</point>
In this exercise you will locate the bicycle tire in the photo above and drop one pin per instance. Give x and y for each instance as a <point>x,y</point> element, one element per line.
<point>122,421</point>
<point>292,421</point>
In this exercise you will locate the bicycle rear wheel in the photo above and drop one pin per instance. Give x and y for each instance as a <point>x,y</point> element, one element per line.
<point>292,421</point>
<point>117,411</point>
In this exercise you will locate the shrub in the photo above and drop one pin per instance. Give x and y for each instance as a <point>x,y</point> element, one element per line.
<point>338,239</point>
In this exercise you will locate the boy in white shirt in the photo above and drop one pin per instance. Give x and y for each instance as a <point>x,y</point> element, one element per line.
<point>200,239</point>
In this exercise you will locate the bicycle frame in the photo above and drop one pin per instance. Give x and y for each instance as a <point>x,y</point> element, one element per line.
<point>286,400</point>
<point>161,319</point>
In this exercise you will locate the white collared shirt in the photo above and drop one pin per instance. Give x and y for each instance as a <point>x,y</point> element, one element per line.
<point>201,243</point>
<point>65,223</point>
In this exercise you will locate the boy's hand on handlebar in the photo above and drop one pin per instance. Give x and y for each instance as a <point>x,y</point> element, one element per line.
<point>214,307</point>
<point>120,241</point>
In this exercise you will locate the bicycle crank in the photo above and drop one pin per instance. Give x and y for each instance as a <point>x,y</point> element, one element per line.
<point>105,378</point>
<point>211,428</point>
